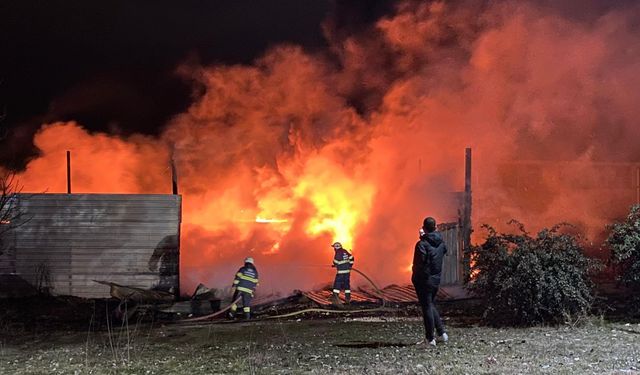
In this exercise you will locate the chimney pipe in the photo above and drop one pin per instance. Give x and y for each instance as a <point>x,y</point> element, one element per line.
<point>68,172</point>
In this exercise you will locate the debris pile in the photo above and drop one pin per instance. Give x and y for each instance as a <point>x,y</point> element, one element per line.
<point>206,301</point>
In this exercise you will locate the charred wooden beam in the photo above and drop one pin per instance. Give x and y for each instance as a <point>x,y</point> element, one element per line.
<point>466,214</point>
<point>68,172</point>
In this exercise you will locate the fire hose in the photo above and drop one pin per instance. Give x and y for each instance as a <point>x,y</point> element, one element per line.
<point>294,313</point>
<point>210,316</point>
<point>380,292</point>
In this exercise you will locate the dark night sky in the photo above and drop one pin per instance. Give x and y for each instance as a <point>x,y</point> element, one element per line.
<point>110,64</point>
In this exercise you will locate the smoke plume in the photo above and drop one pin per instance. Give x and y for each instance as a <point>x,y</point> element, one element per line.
<point>278,159</point>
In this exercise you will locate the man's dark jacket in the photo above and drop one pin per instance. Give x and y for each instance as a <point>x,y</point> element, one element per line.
<point>427,259</point>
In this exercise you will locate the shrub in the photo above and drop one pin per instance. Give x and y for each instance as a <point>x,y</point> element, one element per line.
<point>624,242</point>
<point>528,280</point>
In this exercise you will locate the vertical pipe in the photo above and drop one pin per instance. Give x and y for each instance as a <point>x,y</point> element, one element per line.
<point>638,185</point>
<point>174,178</point>
<point>68,172</point>
<point>177,290</point>
<point>466,216</point>
<point>174,172</point>
<point>70,277</point>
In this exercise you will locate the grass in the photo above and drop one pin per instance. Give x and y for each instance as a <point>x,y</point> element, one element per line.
<point>345,345</point>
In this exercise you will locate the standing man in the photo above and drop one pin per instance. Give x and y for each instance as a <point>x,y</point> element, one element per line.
<point>343,262</point>
<point>427,269</point>
<point>244,285</point>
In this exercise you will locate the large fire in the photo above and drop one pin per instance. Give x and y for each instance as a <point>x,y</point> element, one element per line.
<point>276,161</point>
<point>341,203</point>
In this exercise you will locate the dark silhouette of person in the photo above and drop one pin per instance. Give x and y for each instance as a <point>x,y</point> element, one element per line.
<point>427,270</point>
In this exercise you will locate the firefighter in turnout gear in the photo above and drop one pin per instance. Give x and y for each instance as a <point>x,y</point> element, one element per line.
<point>343,262</point>
<point>244,286</point>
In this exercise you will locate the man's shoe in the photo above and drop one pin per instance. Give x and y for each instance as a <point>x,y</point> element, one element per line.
<point>432,343</point>
<point>444,337</point>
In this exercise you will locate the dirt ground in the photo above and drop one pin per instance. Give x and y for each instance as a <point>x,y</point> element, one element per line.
<point>345,345</point>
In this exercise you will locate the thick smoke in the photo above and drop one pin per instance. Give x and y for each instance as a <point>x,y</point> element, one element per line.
<point>278,159</point>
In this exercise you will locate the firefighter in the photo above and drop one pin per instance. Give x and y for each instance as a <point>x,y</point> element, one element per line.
<point>343,262</point>
<point>244,286</point>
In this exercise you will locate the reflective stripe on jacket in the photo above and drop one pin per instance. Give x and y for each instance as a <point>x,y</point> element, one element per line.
<point>343,260</point>
<point>246,279</point>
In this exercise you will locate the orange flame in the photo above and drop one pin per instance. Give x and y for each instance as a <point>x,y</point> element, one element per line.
<point>341,203</point>
<point>280,143</point>
<point>263,220</point>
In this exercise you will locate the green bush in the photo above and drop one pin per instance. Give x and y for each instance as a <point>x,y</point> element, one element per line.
<point>528,280</point>
<point>624,242</point>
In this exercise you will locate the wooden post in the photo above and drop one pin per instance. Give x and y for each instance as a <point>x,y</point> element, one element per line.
<point>68,172</point>
<point>174,190</point>
<point>179,239</point>
<point>174,178</point>
<point>174,173</point>
<point>466,214</point>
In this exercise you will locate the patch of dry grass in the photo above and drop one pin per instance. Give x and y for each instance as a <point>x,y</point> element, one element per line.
<point>311,347</point>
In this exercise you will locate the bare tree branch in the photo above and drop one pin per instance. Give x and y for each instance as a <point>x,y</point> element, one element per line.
<point>11,216</point>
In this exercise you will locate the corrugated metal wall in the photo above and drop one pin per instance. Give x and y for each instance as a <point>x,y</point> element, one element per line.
<point>452,266</point>
<point>71,239</point>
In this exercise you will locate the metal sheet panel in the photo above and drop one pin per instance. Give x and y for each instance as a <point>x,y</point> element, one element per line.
<point>323,297</point>
<point>392,293</point>
<point>451,267</point>
<point>70,240</point>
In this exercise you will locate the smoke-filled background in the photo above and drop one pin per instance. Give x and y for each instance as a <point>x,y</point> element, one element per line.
<point>358,137</point>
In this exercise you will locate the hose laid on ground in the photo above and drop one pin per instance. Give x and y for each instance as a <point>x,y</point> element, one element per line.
<point>207,317</point>
<point>287,315</point>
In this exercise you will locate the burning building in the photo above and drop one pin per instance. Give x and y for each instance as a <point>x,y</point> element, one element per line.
<point>357,143</point>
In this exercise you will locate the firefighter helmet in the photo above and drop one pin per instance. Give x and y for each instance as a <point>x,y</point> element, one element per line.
<point>337,245</point>
<point>248,260</point>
